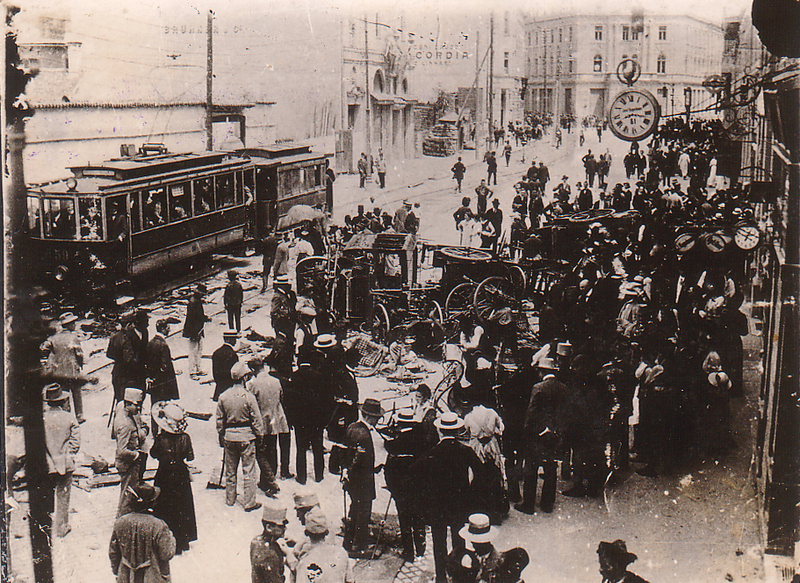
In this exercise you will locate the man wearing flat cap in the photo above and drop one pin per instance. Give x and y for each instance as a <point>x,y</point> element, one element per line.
<point>267,560</point>
<point>141,544</point>
<point>614,559</point>
<point>130,433</point>
<point>239,425</point>
<point>358,476</point>
<point>324,562</point>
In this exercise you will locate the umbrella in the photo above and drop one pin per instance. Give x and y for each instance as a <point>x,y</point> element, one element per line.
<point>299,213</point>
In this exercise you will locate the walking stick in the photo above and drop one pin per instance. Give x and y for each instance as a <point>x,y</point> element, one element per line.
<point>113,412</point>
<point>383,524</point>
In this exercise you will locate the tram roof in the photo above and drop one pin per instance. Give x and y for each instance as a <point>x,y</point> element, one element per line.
<point>126,168</point>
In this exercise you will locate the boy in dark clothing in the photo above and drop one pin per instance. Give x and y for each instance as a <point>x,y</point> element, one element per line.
<point>234,295</point>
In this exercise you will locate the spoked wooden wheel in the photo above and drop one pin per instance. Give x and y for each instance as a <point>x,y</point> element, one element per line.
<point>466,254</point>
<point>380,324</point>
<point>493,296</point>
<point>459,300</point>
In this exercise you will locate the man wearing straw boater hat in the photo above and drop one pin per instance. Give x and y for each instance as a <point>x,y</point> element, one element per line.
<point>62,437</point>
<point>141,544</point>
<point>403,450</point>
<point>444,487</point>
<point>358,476</point>
<point>130,433</point>
<point>542,440</point>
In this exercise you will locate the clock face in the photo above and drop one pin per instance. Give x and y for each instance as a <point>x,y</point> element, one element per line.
<point>715,242</point>
<point>633,115</point>
<point>746,237</point>
<point>684,242</point>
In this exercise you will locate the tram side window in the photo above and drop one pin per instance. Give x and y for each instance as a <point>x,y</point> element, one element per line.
<point>225,194</point>
<point>59,217</point>
<point>90,213</point>
<point>318,175</point>
<point>203,197</point>
<point>154,207</point>
<point>117,218</point>
<point>136,217</point>
<point>34,217</point>
<point>179,202</point>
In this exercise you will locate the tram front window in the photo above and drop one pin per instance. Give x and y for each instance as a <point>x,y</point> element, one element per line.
<point>154,207</point>
<point>203,201</point>
<point>34,218</point>
<point>59,218</point>
<point>90,217</point>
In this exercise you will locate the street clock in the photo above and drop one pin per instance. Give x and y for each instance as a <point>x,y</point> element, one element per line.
<point>716,242</point>
<point>684,242</point>
<point>634,115</point>
<point>746,236</point>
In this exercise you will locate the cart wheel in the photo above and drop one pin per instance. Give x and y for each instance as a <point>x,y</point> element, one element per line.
<point>492,295</point>
<point>453,371</point>
<point>517,275</point>
<point>435,312</point>
<point>380,324</point>
<point>306,266</point>
<point>466,254</point>
<point>459,299</point>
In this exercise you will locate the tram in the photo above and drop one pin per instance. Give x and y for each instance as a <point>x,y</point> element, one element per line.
<point>120,220</point>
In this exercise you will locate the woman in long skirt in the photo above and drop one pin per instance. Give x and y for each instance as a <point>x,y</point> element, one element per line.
<point>172,448</point>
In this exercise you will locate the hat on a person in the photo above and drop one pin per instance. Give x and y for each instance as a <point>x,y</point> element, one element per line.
<point>478,529</point>
<point>406,202</point>
<point>449,422</point>
<point>305,499</point>
<point>144,494</point>
<point>316,522</point>
<point>275,515</point>
<point>282,280</point>
<point>371,407</point>
<point>68,318</point>
<point>616,552</point>
<point>547,363</point>
<point>239,371</point>
<point>405,416</point>
<point>232,274</point>
<point>564,349</point>
<point>54,394</point>
<point>325,341</point>
<point>133,395</point>
<point>307,310</point>
<point>162,324</point>
<point>169,416</point>
<point>720,380</point>
<point>230,334</point>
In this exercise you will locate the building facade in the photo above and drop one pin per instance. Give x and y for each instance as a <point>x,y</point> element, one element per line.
<point>572,61</point>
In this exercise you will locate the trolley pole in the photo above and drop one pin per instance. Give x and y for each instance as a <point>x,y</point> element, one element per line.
<point>209,80</point>
<point>366,95</point>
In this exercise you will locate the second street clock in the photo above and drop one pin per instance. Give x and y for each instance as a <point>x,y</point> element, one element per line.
<point>634,115</point>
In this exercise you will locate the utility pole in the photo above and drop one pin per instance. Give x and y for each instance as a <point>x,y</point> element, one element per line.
<point>491,77</point>
<point>209,80</point>
<point>366,94</point>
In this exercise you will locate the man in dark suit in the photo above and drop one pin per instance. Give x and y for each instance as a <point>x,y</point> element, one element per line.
<point>222,360</point>
<point>543,437</point>
<point>444,488</point>
<point>269,245</point>
<point>193,329</point>
<point>306,405</point>
<point>403,450</point>
<point>161,381</point>
<point>358,475</point>
<point>127,349</point>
